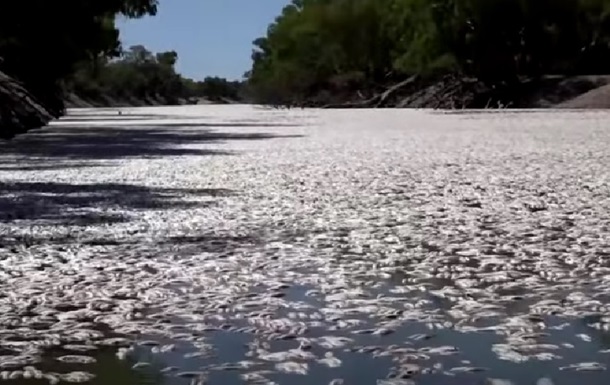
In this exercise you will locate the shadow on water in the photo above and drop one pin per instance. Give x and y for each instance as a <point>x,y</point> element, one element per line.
<point>109,117</point>
<point>43,165</point>
<point>85,204</point>
<point>108,143</point>
<point>101,137</point>
<point>209,125</point>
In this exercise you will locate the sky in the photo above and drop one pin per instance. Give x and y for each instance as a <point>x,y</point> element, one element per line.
<point>211,37</point>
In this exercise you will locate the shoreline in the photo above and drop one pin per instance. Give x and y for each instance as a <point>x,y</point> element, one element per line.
<point>451,93</point>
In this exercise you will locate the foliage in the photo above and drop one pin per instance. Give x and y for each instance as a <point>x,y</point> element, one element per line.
<point>215,89</point>
<point>41,41</point>
<point>139,76</point>
<point>315,46</point>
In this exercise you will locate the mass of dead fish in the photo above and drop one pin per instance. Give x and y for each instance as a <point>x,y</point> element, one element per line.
<point>376,236</point>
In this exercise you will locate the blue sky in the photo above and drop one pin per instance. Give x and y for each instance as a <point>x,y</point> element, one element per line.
<point>212,37</point>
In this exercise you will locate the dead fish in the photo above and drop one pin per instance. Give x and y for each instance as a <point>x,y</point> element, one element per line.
<point>332,342</point>
<point>140,365</point>
<point>195,354</point>
<point>330,360</point>
<point>467,369</point>
<point>190,374</point>
<point>162,349</point>
<point>77,377</point>
<point>395,381</point>
<point>383,332</point>
<point>293,367</point>
<point>79,348</point>
<point>363,331</point>
<point>585,366</point>
<point>499,381</point>
<point>545,381</point>
<point>52,378</point>
<point>584,337</point>
<point>75,359</point>
<point>148,343</point>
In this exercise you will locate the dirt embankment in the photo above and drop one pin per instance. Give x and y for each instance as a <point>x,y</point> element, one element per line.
<point>595,98</point>
<point>453,92</point>
<point>19,110</point>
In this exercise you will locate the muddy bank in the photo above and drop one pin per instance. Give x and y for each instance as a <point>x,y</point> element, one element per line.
<point>453,92</point>
<point>19,109</point>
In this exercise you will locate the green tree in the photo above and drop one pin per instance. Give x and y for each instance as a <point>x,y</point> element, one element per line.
<point>140,76</point>
<point>42,41</point>
<point>317,46</point>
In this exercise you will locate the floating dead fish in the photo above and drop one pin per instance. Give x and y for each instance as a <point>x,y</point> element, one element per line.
<point>584,337</point>
<point>396,381</point>
<point>163,348</point>
<point>545,381</point>
<point>293,367</point>
<point>52,378</point>
<point>79,348</point>
<point>585,366</point>
<point>343,231</point>
<point>467,369</point>
<point>332,342</point>
<point>148,343</point>
<point>77,377</point>
<point>190,374</point>
<point>330,360</point>
<point>498,381</point>
<point>75,359</point>
<point>241,365</point>
<point>140,365</point>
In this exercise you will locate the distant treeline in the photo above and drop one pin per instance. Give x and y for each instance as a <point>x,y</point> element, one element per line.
<point>54,48</point>
<point>320,48</point>
<point>316,50</point>
<point>139,76</point>
<point>42,42</point>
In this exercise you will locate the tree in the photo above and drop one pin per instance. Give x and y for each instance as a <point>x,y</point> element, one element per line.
<point>42,41</point>
<point>140,76</point>
<point>318,46</point>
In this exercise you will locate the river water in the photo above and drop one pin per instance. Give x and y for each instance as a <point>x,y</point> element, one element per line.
<point>238,244</point>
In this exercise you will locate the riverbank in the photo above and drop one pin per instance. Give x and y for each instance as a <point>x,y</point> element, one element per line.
<point>20,112</point>
<point>453,92</point>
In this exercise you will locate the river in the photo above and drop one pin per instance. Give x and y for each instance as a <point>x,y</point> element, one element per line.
<point>240,244</point>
